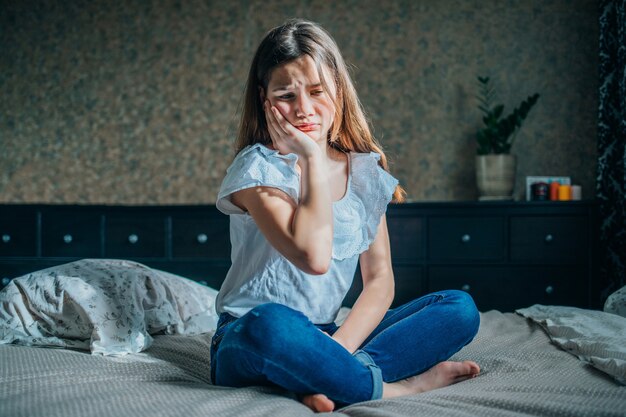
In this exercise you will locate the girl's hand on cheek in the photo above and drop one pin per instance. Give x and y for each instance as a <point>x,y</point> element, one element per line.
<point>286,138</point>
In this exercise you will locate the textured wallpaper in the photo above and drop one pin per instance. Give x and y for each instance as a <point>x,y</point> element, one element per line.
<point>137,102</point>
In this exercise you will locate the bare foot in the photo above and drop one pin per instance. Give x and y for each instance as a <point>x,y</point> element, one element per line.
<point>439,376</point>
<point>318,403</point>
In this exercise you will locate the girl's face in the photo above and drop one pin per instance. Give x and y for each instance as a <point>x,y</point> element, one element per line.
<point>296,91</point>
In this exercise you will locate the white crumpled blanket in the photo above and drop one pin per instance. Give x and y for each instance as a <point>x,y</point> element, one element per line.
<point>110,307</point>
<point>595,337</point>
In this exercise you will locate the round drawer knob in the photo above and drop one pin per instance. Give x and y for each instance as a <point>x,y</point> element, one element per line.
<point>133,238</point>
<point>466,287</point>
<point>68,238</point>
<point>549,238</point>
<point>549,289</point>
<point>202,238</point>
<point>466,238</point>
<point>5,281</point>
<point>6,238</point>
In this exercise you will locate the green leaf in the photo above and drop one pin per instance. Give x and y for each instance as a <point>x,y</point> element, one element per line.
<point>497,135</point>
<point>497,111</point>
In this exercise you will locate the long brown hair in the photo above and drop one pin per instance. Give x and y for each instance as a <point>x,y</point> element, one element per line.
<point>291,40</point>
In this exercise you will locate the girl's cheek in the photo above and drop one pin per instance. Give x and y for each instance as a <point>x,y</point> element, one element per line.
<point>329,112</point>
<point>283,108</point>
<point>328,106</point>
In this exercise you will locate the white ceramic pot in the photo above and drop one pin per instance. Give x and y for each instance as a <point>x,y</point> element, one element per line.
<point>495,176</point>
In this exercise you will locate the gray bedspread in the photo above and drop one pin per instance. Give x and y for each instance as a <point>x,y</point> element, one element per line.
<point>523,374</point>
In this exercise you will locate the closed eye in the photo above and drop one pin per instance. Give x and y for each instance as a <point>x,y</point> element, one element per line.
<point>291,96</point>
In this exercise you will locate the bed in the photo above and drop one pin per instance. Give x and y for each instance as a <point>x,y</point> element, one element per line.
<point>541,360</point>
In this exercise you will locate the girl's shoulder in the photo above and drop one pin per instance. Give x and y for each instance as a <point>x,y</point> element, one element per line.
<point>365,157</point>
<point>257,165</point>
<point>258,150</point>
<point>365,168</point>
<point>259,156</point>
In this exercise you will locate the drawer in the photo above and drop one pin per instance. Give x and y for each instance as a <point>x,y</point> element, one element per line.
<point>509,288</point>
<point>18,233</point>
<point>201,237</point>
<point>409,285</point>
<point>466,238</point>
<point>550,239</point>
<point>135,237</point>
<point>555,285</point>
<point>407,238</point>
<point>66,235</point>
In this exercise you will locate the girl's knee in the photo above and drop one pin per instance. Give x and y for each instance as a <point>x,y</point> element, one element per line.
<point>465,310</point>
<point>266,323</point>
<point>462,309</point>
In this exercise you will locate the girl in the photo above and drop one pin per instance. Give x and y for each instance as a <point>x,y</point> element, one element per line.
<point>306,195</point>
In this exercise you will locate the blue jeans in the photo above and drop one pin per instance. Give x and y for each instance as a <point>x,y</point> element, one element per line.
<point>275,345</point>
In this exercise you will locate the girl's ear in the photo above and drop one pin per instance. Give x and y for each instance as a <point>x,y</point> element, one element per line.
<point>262,94</point>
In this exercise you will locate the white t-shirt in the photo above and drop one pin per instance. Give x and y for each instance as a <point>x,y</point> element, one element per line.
<point>260,274</point>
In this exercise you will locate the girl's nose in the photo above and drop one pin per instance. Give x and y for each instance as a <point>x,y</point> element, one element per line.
<point>304,106</point>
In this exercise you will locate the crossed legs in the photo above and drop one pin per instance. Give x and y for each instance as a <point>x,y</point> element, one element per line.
<point>276,345</point>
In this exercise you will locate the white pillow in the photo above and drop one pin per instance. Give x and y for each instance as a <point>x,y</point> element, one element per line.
<point>110,307</point>
<point>616,303</point>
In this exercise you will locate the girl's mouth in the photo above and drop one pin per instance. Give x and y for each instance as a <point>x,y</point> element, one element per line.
<point>307,127</point>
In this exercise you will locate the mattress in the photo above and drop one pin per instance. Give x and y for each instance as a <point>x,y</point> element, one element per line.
<point>523,374</point>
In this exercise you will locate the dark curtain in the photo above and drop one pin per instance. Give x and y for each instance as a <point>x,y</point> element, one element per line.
<point>611,184</point>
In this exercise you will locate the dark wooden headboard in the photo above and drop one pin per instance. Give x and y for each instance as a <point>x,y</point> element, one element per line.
<point>506,254</point>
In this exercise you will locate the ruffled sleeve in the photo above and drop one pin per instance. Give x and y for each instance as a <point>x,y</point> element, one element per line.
<point>357,219</point>
<point>254,166</point>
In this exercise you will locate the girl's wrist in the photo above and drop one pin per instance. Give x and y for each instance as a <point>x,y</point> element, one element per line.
<point>344,343</point>
<point>311,154</point>
<point>314,162</point>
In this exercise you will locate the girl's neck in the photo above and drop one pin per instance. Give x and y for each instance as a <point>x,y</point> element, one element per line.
<point>332,153</point>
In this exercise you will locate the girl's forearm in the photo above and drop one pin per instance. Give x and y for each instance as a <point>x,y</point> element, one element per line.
<point>312,225</point>
<point>367,313</point>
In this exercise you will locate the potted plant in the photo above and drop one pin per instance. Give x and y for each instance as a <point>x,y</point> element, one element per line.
<point>495,166</point>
